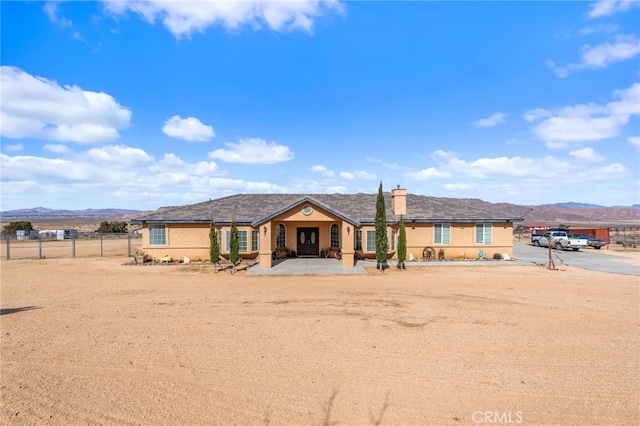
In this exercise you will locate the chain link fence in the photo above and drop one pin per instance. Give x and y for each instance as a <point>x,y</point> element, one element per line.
<point>627,237</point>
<point>80,245</point>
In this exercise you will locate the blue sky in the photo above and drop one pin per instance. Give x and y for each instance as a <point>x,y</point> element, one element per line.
<point>153,103</point>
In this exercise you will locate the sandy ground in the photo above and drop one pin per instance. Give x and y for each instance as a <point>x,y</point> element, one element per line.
<point>93,341</point>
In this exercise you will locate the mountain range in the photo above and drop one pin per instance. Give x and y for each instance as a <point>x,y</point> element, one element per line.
<point>552,214</point>
<point>45,213</point>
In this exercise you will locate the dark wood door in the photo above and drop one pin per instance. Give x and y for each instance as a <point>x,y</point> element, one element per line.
<point>308,242</point>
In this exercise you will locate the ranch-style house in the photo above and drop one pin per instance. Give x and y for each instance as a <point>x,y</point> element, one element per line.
<point>272,226</point>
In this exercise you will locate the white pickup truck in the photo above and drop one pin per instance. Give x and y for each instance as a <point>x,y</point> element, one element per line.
<point>560,240</point>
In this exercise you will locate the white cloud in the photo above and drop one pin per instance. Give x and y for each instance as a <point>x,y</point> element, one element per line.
<point>120,155</point>
<point>634,140</point>
<point>536,114</point>
<point>460,187</point>
<point>347,175</point>
<point>611,171</point>
<point>253,151</point>
<point>77,36</point>
<point>610,7</point>
<point>428,173</point>
<point>318,168</point>
<point>57,148</point>
<point>361,174</point>
<point>14,147</point>
<point>601,28</point>
<point>190,129</point>
<point>589,122</point>
<point>25,167</point>
<point>493,120</point>
<point>497,167</point>
<point>586,154</point>
<point>51,10</point>
<point>182,18</point>
<point>34,107</point>
<point>358,174</point>
<point>623,47</point>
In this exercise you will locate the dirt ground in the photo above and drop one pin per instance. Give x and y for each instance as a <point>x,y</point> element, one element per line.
<point>94,341</point>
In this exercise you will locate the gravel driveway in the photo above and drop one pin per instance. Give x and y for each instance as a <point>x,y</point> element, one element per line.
<point>590,259</point>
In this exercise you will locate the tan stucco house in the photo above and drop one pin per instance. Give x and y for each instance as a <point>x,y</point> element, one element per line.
<point>314,225</point>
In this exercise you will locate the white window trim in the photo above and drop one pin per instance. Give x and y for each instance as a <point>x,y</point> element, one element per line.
<point>355,239</point>
<point>442,227</point>
<point>366,243</point>
<point>285,234</point>
<point>163,225</point>
<point>257,234</point>
<point>331,228</point>
<point>227,245</point>
<point>484,234</point>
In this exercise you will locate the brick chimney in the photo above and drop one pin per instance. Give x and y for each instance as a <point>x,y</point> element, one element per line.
<point>399,201</point>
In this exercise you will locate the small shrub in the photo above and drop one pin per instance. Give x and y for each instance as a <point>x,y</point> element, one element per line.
<point>497,256</point>
<point>441,254</point>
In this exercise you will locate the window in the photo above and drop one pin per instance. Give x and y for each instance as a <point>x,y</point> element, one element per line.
<point>281,236</point>
<point>393,240</point>
<point>335,235</point>
<point>157,235</point>
<point>371,241</point>
<point>255,240</point>
<point>483,233</point>
<point>441,233</point>
<point>359,239</point>
<point>242,241</point>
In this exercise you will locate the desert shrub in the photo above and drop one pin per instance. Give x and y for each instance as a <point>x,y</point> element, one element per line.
<point>12,227</point>
<point>107,227</point>
<point>441,254</point>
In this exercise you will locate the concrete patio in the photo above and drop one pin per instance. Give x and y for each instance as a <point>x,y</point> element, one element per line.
<point>307,266</point>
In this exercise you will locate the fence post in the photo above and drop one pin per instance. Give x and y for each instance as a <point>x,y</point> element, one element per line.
<point>129,244</point>
<point>101,235</point>
<point>39,248</point>
<point>8,248</point>
<point>73,247</point>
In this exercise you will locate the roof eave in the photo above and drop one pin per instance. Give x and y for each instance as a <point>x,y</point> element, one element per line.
<point>310,200</point>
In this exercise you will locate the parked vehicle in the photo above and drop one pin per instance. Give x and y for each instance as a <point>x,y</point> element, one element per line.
<point>560,240</point>
<point>535,236</point>
<point>596,243</point>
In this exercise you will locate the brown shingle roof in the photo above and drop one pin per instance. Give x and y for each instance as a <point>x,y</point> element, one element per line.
<point>355,208</point>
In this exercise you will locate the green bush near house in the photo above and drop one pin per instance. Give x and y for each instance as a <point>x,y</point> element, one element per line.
<point>497,256</point>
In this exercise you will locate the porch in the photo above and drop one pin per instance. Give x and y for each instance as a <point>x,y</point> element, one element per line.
<point>307,266</point>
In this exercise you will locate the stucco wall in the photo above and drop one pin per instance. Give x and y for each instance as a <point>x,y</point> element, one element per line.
<point>421,235</point>
<point>192,240</point>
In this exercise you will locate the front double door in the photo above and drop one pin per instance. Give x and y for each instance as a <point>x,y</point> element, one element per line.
<point>308,242</point>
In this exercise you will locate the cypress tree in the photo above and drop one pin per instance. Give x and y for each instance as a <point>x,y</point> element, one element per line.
<point>234,245</point>
<point>382,243</point>
<point>402,244</point>
<point>214,248</point>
